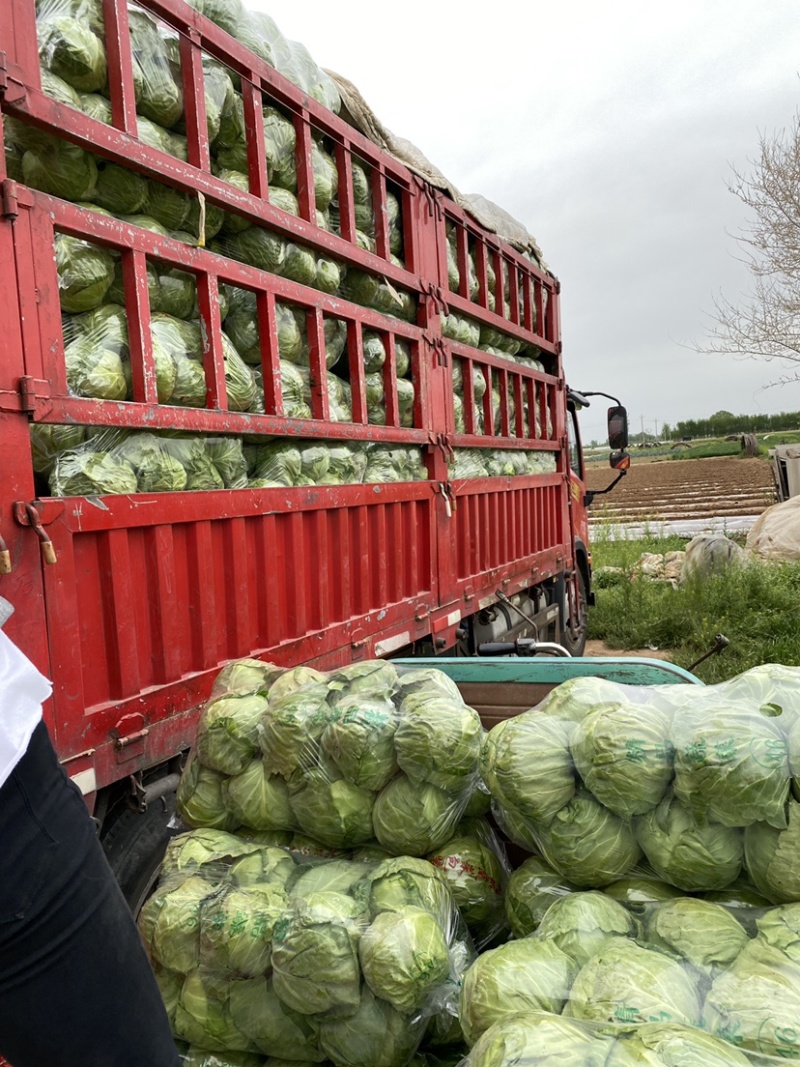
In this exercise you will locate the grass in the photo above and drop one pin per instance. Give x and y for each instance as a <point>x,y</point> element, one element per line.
<point>754,606</point>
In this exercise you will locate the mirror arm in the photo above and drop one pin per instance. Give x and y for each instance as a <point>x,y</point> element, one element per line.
<point>590,494</point>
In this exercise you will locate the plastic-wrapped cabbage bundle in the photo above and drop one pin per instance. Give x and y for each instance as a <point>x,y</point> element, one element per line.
<point>70,36</point>
<point>225,13</point>
<point>361,756</point>
<point>530,891</point>
<point>386,464</point>
<point>772,857</point>
<point>160,92</point>
<point>85,273</point>
<point>755,1003</point>
<point>660,1044</point>
<point>520,976</point>
<point>475,867</point>
<point>49,441</point>
<point>227,457</point>
<point>468,463</point>
<point>460,329</point>
<point>90,470</point>
<point>337,960</point>
<point>731,765</point>
<point>582,924</point>
<point>60,169</point>
<point>706,935</point>
<point>376,402</point>
<point>540,1039</point>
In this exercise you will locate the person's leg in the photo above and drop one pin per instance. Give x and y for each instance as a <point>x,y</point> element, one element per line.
<point>76,989</point>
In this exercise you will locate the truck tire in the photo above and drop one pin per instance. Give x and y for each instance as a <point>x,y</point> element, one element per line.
<point>134,847</point>
<point>577,644</point>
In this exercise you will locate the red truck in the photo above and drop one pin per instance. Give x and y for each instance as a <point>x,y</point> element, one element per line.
<point>132,600</point>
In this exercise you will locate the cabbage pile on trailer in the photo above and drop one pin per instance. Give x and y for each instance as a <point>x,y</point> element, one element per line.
<point>574,957</point>
<point>71,37</point>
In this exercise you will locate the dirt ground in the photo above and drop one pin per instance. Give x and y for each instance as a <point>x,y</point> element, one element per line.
<point>599,648</point>
<point>684,488</point>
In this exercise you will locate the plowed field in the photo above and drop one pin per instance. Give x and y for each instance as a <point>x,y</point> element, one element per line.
<point>683,489</point>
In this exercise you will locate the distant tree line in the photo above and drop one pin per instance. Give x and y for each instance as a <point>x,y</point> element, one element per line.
<point>723,423</point>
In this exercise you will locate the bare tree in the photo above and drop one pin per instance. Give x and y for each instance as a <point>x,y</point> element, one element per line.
<point>766,324</point>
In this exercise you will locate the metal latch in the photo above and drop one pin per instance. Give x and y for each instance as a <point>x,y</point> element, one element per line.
<point>435,294</point>
<point>450,502</point>
<point>27,515</point>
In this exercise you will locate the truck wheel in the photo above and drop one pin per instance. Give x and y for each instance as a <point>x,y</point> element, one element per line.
<point>134,847</point>
<point>577,644</point>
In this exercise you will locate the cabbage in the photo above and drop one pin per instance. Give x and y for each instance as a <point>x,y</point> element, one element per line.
<point>640,890</point>
<point>70,49</point>
<point>236,927</point>
<point>404,957</point>
<point>624,756</point>
<point>244,675</point>
<point>85,273</point>
<point>686,852</point>
<point>201,848</point>
<point>227,457</point>
<point>262,866</point>
<point>475,876</point>
<point>526,763</point>
<point>227,738</point>
<point>581,924</point>
<point>295,678</point>
<point>780,928</point>
<point>375,1036</point>
<point>530,891</point>
<point>425,681</point>
<point>413,818</point>
<point>258,799</point>
<point>292,727</point>
<point>587,843</point>
<point>756,1004</point>
<point>337,813</point>
<point>705,934</point>
<point>672,1045</point>
<point>315,956</point>
<point>525,975</point>
<point>538,1039</point>
<point>170,922</point>
<point>360,741</point>
<point>198,1057</point>
<point>161,97</point>
<point>200,798</point>
<point>335,876</point>
<point>91,474</point>
<point>260,248</point>
<point>203,1016</point>
<point>49,441</point>
<point>772,858</point>
<point>438,741</point>
<point>731,766</point>
<point>156,470</point>
<point>397,883</point>
<point>273,1027</point>
<point>626,983</point>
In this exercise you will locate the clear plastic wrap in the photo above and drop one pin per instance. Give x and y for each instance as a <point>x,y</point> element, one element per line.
<point>696,781</point>
<point>262,951</point>
<point>348,757</point>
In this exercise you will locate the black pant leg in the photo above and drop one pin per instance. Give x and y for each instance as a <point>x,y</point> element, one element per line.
<point>76,988</point>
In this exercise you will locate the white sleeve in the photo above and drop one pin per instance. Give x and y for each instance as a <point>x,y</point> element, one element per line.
<point>22,692</point>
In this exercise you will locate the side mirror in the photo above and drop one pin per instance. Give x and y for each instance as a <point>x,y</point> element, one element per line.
<point>619,461</point>
<point>618,428</point>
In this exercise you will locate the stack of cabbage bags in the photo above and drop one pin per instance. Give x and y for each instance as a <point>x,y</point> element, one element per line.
<point>360,754</point>
<point>260,952</point>
<point>636,979</point>
<point>91,461</point>
<point>696,782</point>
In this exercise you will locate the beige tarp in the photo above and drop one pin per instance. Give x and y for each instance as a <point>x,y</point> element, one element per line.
<point>776,532</point>
<point>358,113</point>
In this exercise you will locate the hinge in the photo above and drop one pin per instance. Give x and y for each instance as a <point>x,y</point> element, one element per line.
<point>10,204</point>
<point>32,392</point>
<point>435,294</point>
<point>3,73</point>
<point>11,90</point>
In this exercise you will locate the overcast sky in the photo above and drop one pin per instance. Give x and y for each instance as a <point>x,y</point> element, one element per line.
<point>609,132</point>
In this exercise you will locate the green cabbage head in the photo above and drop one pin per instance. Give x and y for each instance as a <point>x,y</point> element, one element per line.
<point>360,741</point>
<point>203,1016</point>
<point>227,738</point>
<point>520,976</point>
<point>200,800</point>
<point>772,858</point>
<point>673,1045</point>
<point>626,983</point>
<point>271,1026</point>
<point>530,891</point>
<point>587,843</point>
<point>236,928</point>
<point>258,799</point>
<point>377,1035</point>
<point>538,1039</point>
<point>170,920</point>
<point>404,957</point>
<point>581,924</point>
<point>624,756</point>
<point>438,741</point>
<point>411,818</point>
<point>705,934</point>
<point>688,852</point>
